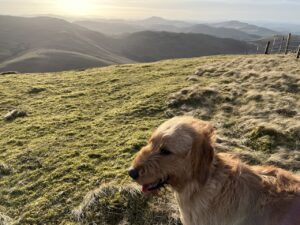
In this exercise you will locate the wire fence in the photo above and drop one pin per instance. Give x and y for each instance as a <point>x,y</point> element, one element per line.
<point>281,45</point>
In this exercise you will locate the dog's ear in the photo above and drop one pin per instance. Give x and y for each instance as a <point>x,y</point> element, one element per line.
<point>202,154</point>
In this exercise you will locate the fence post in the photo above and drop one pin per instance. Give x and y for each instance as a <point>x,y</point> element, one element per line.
<point>281,45</point>
<point>267,48</point>
<point>288,43</point>
<point>273,45</point>
<point>298,52</point>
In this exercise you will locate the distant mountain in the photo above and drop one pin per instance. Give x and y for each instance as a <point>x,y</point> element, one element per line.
<point>221,32</point>
<point>154,21</point>
<point>49,44</point>
<point>151,46</point>
<point>117,27</point>
<point>284,28</point>
<point>110,27</point>
<point>113,27</point>
<point>44,44</point>
<point>245,27</point>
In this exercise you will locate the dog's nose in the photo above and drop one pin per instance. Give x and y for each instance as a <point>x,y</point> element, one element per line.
<point>133,173</point>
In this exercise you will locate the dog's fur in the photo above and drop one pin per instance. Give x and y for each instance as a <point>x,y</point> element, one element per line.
<point>216,189</point>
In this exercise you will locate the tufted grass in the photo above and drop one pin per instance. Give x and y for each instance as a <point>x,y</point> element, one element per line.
<point>83,128</point>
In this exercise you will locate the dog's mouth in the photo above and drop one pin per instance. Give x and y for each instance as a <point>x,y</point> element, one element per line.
<point>147,188</point>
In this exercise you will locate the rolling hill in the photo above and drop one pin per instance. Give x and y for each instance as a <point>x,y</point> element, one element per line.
<point>112,27</point>
<point>221,32</point>
<point>44,44</point>
<point>155,20</point>
<point>66,161</point>
<point>247,28</point>
<point>284,28</point>
<point>232,29</point>
<point>32,44</point>
<point>150,46</point>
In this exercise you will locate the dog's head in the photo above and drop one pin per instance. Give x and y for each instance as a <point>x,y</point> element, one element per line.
<point>179,151</point>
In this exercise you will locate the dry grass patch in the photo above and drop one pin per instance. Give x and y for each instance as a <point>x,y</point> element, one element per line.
<point>115,205</point>
<point>253,101</point>
<point>6,220</point>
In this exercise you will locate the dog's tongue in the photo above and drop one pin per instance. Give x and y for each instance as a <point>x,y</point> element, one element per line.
<point>145,189</point>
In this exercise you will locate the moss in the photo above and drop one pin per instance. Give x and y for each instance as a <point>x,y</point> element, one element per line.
<point>268,139</point>
<point>265,143</point>
<point>263,131</point>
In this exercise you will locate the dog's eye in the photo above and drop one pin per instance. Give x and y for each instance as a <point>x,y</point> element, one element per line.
<point>164,151</point>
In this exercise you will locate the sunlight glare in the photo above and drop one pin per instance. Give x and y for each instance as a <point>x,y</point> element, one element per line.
<point>75,7</point>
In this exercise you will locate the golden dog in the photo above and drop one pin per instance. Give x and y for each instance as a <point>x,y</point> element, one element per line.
<point>214,189</point>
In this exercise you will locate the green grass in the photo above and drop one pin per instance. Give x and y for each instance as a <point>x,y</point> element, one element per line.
<point>82,130</point>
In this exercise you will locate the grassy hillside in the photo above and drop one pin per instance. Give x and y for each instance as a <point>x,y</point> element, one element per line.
<point>82,130</point>
<point>52,60</point>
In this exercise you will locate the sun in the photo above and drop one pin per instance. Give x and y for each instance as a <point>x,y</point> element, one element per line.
<point>75,7</point>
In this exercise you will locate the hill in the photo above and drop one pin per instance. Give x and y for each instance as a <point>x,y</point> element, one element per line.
<point>221,32</point>
<point>150,46</point>
<point>110,27</point>
<point>284,27</point>
<point>155,23</point>
<point>247,28</point>
<point>82,130</point>
<point>234,29</point>
<point>46,44</point>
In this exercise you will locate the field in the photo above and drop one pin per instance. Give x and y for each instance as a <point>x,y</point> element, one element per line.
<point>65,162</point>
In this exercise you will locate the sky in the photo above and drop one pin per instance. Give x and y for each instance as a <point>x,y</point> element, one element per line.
<point>196,10</point>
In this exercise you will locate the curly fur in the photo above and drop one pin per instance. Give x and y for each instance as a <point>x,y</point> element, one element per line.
<point>216,189</point>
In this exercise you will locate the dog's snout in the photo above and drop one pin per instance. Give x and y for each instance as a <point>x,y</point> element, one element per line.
<point>133,173</point>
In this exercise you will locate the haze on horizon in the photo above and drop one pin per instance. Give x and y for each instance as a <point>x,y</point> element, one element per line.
<point>247,10</point>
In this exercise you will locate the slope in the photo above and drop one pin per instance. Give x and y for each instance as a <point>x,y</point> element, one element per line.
<point>112,27</point>
<point>150,46</point>
<point>117,27</point>
<point>45,44</point>
<point>22,40</point>
<point>221,32</point>
<point>248,28</point>
<point>83,128</point>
